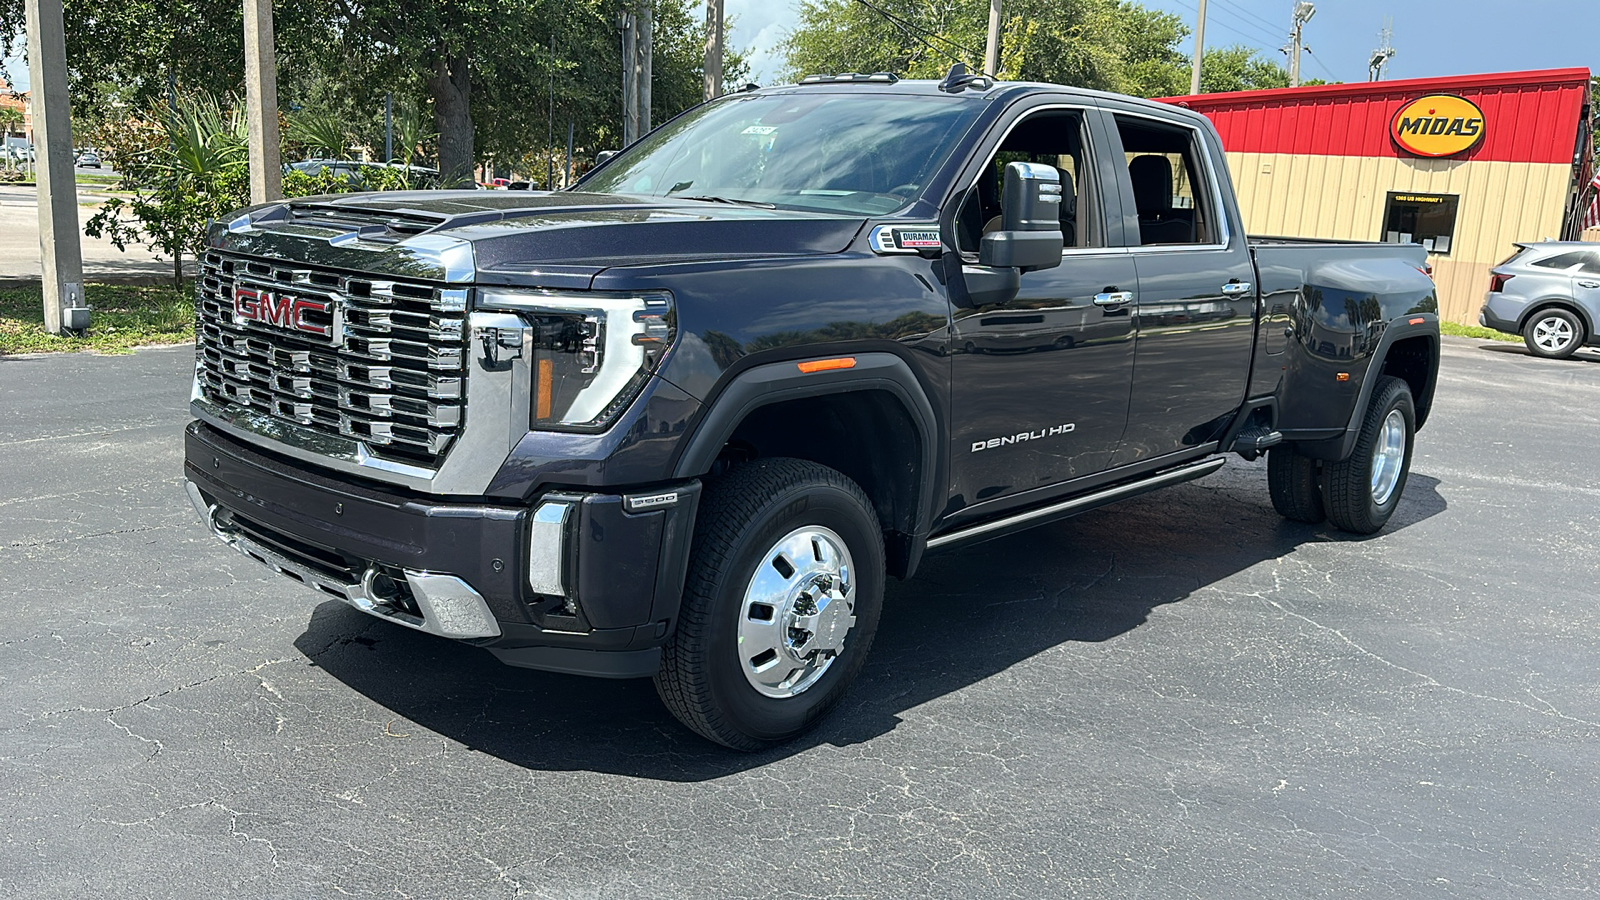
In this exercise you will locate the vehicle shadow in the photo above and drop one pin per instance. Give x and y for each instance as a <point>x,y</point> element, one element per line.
<point>967,615</point>
<point>1583,354</point>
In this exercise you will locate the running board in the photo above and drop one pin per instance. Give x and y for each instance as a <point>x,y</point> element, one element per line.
<point>1076,505</point>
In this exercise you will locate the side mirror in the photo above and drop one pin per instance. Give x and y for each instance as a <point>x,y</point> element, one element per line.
<point>603,157</point>
<point>1030,226</point>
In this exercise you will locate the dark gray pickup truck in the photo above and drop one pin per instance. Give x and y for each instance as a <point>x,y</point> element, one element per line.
<point>684,420</point>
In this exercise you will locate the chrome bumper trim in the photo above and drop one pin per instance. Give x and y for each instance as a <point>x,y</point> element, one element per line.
<point>449,606</point>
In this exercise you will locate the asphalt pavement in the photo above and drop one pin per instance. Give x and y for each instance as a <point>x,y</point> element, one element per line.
<point>1180,696</point>
<point>102,261</point>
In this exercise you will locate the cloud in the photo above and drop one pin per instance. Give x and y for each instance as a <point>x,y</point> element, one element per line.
<point>758,27</point>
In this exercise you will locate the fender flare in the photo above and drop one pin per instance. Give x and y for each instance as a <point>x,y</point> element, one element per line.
<point>777,382</point>
<point>1576,309</point>
<point>1398,330</point>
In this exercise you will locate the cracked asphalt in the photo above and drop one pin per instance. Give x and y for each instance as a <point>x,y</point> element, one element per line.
<point>1181,696</point>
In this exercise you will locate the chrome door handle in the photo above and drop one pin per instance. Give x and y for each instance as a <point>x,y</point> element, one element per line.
<point>1236,287</point>
<point>1113,300</point>
<point>1589,284</point>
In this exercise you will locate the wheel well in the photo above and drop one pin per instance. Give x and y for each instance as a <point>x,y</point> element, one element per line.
<point>867,435</point>
<point>1412,360</point>
<point>1580,312</point>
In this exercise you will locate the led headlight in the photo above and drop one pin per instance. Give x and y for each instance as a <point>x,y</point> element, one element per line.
<point>591,352</point>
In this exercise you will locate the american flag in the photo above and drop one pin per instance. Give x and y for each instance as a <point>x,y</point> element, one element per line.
<point>1591,219</point>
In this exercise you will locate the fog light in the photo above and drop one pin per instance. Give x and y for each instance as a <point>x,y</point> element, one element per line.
<point>547,546</point>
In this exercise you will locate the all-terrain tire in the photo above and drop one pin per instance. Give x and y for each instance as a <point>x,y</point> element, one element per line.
<point>1294,481</point>
<point>743,516</point>
<point>1361,493</point>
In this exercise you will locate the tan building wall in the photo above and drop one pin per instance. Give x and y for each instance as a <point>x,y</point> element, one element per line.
<point>1343,197</point>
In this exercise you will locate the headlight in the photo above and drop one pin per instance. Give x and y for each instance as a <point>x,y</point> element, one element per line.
<point>591,352</point>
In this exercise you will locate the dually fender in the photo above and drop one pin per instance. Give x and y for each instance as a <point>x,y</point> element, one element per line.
<point>1407,326</point>
<point>776,382</point>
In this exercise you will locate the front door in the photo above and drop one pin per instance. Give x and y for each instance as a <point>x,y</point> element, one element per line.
<point>1040,384</point>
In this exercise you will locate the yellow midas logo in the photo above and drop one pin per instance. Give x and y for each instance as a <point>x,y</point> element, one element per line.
<point>1438,125</point>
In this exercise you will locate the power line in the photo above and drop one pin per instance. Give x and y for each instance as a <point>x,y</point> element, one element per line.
<point>1253,41</point>
<point>910,28</point>
<point>1321,64</point>
<point>1271,26</point>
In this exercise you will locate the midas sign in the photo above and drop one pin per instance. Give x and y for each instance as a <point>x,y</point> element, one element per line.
<point>1438,125</point>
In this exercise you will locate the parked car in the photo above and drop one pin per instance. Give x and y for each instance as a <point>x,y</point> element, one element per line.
<point>89,159</point>
<point>1549,293</point>
<point>358,172</point>
<point>685,419</point>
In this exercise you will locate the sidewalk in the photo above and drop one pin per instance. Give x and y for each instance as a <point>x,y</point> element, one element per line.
<point>102,261</point>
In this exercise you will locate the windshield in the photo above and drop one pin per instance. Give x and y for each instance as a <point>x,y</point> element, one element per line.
<point>850,153</point>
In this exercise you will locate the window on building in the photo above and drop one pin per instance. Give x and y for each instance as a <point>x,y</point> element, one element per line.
<point>1426,219</point>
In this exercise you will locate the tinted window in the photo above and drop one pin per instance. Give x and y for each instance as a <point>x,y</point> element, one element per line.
<point>857,153</point>
<point>1169,183</point>
<point>1053,138</point>
<point>1566,261</point>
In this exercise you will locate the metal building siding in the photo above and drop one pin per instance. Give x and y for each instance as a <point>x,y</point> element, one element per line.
<point>1530,116</point>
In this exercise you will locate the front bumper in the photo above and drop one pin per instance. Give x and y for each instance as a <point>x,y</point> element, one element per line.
<point>461,569</point>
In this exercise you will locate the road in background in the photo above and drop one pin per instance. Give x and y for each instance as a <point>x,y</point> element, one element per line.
<point>1179,696</point>
<point>102,261</point>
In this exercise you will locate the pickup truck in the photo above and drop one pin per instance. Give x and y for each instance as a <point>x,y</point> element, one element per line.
<point>684,420</point>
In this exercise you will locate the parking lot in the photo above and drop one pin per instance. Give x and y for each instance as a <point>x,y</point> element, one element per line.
<point>1180,696</point>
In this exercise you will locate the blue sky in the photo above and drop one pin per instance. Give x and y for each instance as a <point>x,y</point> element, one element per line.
<point>1454,37</point>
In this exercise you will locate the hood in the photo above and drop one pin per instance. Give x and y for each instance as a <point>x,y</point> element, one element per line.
<point>559,240</point>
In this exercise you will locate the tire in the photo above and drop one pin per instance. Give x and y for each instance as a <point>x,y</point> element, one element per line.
<point>1553,333</point>
<point>716,674</point>
<point>1294,482</point>
<point>1361,493</point>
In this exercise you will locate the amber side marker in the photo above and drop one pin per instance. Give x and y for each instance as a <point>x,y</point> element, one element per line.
<point>541,405</point>
<point>823,365</point>
<point>1418,321</point>
<point>1342,376</point>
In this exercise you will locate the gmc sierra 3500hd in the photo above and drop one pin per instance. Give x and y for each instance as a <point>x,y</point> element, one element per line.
<point>685,419</point>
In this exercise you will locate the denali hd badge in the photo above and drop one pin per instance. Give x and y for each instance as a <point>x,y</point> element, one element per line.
<point>278,310</point>
<point>1052,431</point>
<point>905,238</point>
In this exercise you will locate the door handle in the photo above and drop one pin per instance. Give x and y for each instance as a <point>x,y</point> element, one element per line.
<point>1114,299</point>
<point>1236,287</point>
<point>1589,284</point>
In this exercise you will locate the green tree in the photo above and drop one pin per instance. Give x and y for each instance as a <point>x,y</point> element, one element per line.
<point>1240,68</point>
<point>1113,45</point>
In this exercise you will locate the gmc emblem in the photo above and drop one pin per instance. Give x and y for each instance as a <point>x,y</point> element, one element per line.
<point>280,310</point>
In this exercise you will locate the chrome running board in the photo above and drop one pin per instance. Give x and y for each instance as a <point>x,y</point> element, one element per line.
<point>1065,508</point>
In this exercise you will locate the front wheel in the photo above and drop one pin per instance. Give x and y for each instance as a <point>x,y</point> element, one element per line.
<point>1361,493</point>
<point>784,591</point>
<point>1553,333</point>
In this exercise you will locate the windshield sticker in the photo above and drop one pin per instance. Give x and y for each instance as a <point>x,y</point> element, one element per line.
<point>761,129</point>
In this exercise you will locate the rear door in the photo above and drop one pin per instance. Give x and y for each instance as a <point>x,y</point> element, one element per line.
<point>1586,289</point>
<point>1040,384</point>
<point>1194,322</point>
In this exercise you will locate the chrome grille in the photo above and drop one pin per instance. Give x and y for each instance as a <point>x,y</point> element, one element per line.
<point>390,371</point>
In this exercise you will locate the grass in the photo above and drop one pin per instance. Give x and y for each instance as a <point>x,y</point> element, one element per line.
<point>123,317</point>
<point>1476,331</point>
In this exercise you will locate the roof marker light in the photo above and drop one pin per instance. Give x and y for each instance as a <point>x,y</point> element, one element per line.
<point>824,365</point>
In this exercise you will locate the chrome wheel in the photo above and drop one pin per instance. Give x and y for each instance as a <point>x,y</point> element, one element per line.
<point>1553,334</point>
<point>797,611</point>
<point>1388,456</point>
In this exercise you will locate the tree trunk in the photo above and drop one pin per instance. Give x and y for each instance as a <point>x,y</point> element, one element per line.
<point>451,87</point>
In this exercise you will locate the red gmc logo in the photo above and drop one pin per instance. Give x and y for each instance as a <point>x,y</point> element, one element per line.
<point>276,309</point>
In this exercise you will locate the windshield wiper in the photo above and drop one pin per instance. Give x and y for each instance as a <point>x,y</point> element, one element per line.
<point>735,200</point>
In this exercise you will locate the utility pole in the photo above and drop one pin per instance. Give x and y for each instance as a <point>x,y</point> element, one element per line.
<point>714,24</point>
<point>646,23</point>
<point>60,252</point>
<point>1379,64</point>
<point>1303,11</point>
<point>630,81</point>
<point>1199,50</point>
<point>991,49</point>
<point>261,102</point>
